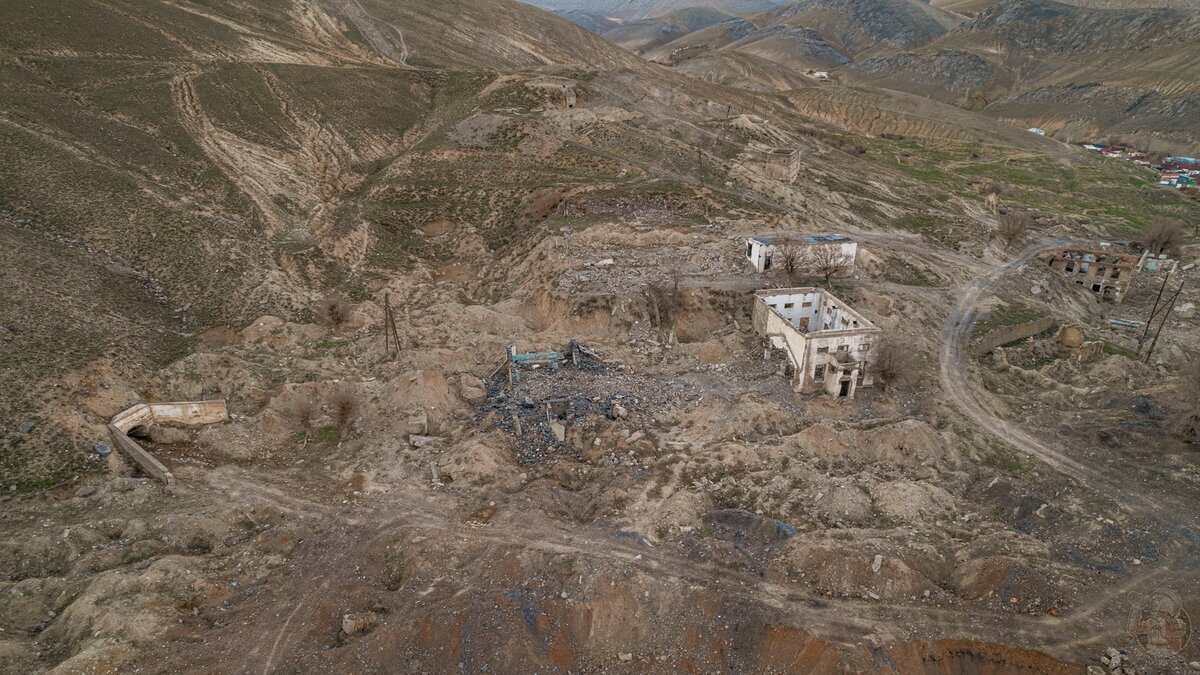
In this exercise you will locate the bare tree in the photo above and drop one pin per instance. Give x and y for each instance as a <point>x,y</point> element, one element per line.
<point>1013,228</point>
<point>827,261</point>
<point>1162,235</point>
<point>791,256</point>
<point>1186,422</point>
<point>344,406</point>
<point>334,310</point>
<point>894,364</point>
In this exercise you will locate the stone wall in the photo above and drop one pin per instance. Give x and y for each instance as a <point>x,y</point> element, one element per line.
<point>1006,334</point>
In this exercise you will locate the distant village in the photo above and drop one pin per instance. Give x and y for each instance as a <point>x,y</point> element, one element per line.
<point>1176,172</point>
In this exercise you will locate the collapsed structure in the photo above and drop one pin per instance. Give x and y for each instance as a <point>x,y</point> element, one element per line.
<point>1107,274</point>
<point>829,346</point>
<point>778,163</point>
<point>761,250</point>
<point>137,420</point>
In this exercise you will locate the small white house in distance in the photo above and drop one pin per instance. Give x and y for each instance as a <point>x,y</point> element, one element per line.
<point>1036,130</point>
<point>821,74</point>
<point>759,249</point>
<point>829,346</point>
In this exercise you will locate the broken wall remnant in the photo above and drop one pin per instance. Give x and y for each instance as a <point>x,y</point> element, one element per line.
<point>1006,334</point>
<point>141,417</point>
<point>829,346</point>
<point>778,163</point>
<point>1105,273</point>
<point>763,251</point>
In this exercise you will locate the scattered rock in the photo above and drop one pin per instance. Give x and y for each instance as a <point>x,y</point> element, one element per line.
<point>26,426</point>
<point>418,423</point>
<point>878,563</point>
<point>419,441</point>
<point>359,623</point>
<point>101,449</point>
<point>626,656</point>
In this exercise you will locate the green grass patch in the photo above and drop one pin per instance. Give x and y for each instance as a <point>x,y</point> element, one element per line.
<point>1010,462</point>
<point>1006,315</point>
<point>1118,350</point>
<point>328,435</point>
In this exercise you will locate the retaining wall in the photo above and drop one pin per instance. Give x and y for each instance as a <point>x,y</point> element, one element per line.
<point>1006,334</point>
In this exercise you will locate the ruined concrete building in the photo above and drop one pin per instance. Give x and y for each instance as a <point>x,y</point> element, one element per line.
<point>778,163</point>
<point>1107,274</point>
<point>762,251</point>
<point>829,346</point>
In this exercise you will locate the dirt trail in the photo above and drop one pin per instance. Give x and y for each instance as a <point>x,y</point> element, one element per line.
<point>348,533</point>
<point>957,332</point>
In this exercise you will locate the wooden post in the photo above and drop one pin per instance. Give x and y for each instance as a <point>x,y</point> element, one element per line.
<point>1153,310</point>
<point>1166,314</point>
<point>387,313</point>
<point>395,332</point>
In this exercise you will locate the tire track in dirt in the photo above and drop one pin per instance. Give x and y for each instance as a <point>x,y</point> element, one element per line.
<point>413,513</point>
<point>957,331</point>
<point>1173,518</point>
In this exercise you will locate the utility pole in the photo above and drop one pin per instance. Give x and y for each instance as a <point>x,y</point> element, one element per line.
<point>700,159</point>
<point>1153,310</point>
<point>1166,314</point>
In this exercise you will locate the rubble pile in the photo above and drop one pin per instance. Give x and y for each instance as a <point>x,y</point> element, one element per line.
<point>576,395</point>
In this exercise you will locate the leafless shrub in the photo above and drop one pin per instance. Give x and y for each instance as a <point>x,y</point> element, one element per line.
<point>1186,422</point>
<point>1013,227</point>
<point>334,310</point>
<point>791,256</point>
<point>894,364</point>
<point>343,405</point>
<point>1162,235</point>
<point>827,261</point>
<point>303,411</point>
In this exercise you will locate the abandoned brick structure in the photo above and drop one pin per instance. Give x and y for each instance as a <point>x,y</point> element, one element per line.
<point>1105,273</point>
<point>829,346</point>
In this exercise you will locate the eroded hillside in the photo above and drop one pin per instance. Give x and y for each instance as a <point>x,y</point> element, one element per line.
<point>241,201</point>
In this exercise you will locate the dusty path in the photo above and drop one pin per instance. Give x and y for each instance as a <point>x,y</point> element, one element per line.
<point>266,634</point>
<point>1162,510</point>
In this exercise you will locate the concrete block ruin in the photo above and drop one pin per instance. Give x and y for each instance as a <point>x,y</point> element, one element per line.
<point>778,163</point>
<point>1105,273</point>
<point>764,250</point>
<point>829,346</point>
<point>138,419</point>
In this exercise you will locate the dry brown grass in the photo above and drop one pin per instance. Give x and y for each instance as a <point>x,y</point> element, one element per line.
<point>344,406</point>
<point>303,411</point>
<point>334,310</point>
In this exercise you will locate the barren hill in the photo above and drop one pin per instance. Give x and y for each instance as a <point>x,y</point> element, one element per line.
<point>1079,71</point>
<point>472,284</point>
<point>642,9</point>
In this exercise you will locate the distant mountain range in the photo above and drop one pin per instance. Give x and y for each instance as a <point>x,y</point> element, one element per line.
<point>1080,69</point>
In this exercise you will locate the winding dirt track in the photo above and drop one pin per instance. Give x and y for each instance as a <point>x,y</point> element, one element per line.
<point>1162,510</point>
